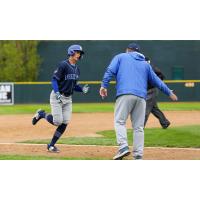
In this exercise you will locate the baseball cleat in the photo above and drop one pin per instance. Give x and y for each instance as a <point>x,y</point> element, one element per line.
<point>122,153</point>
<point>166,125</point>
<point>52,149</point>
<point>138,157</point>
<point>38,116</point>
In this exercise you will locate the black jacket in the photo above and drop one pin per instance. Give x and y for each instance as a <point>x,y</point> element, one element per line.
<point>159,74</point>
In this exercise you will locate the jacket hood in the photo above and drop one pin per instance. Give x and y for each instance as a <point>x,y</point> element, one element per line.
<point>137,56</point>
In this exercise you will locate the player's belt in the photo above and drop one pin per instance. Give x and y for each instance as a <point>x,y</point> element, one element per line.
<point>66,95</point>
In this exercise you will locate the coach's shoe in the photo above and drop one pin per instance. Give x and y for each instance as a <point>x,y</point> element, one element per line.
<point>137,157</point>
<point>38,116</point>
<point>52,149</point>
<point>166,125</point>
<point>122,153</point>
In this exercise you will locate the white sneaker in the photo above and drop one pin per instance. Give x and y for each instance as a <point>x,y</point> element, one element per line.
<point>122,153</point>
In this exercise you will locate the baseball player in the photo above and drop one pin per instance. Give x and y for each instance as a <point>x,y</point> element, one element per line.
<point>132,74</point>
<point>64,83</point>
<point>151,102</point>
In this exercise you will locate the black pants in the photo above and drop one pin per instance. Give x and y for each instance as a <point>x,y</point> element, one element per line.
<point>152,107</point>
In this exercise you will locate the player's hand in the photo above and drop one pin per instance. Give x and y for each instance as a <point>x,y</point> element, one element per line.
<point>173,97</point>
<point>58,97</point>
<point>103,92</point>
<point>86,89</point>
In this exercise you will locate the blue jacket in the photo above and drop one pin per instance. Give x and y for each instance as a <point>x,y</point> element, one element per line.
<point>132,74</point>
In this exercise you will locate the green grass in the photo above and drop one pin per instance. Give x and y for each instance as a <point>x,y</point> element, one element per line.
<point>77,108</point>
<point>22,157</point>
<point>91,107</point>
<point>173,106</point>
<point>186,136</point>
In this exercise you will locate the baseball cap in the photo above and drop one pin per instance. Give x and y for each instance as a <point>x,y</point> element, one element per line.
<point>134,46</point>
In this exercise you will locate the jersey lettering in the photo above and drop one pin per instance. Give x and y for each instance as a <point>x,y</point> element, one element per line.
<point>71,77</point>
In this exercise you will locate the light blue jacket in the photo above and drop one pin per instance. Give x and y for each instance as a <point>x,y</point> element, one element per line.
<point>132,74</point>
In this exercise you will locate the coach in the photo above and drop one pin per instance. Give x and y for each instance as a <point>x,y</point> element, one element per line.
<point>132,74</point>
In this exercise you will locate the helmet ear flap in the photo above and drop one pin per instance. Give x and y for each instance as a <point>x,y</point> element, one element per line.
<point>71,52</point>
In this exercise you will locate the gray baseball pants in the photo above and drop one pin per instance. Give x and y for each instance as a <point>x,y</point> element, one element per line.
<point>135,107</point>
<point>61,111</point>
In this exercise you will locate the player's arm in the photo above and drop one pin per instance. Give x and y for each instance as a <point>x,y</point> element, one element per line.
<point>54,84</point>
<point>111,71</point>
<point>58,74</point>
<point>78,88</point>
<point>84,89</point>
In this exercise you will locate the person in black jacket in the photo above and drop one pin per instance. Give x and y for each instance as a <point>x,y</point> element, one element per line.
<point>151,102</point>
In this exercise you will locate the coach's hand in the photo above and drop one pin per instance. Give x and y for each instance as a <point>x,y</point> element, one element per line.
<point>173,97</point>
<point>103,92</point>
<point>86,89</point>
<point>58,97</point>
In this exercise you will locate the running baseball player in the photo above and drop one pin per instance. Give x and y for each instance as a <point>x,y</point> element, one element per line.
<point>132,74</point>
<point>64,83</point>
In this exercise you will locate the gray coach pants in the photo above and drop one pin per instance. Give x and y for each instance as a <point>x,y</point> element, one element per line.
<point>135,106</point>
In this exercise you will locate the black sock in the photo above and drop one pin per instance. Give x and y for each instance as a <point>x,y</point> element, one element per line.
<point>58,133</point>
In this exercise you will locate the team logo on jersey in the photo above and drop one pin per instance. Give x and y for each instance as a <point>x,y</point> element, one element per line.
<point>71,77</point>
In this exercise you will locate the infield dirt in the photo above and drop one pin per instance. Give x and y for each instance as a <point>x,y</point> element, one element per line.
<point>17,128</point>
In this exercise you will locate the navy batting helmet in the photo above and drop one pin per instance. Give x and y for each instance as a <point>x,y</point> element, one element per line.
<point>73,48</point>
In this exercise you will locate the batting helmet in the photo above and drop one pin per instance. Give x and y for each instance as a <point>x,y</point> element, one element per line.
<point>73,48</point>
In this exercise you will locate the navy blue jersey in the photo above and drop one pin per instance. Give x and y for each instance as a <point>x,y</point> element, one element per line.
<point>67,76</point>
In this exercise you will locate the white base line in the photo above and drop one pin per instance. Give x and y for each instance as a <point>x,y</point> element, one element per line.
<point>101,146</point>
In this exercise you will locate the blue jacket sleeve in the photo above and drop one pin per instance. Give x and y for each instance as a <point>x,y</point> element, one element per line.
<point>157,82</point>
<point>111,71</point>
<point>55,85</point>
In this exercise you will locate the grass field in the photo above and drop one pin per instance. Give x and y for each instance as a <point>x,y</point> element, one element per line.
<point>91,107</point>
<point>186,136</point>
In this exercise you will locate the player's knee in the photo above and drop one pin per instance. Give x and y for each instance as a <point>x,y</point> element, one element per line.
<point>66,121</point>
<point>139,129</point>
<point>57,120</point>
<point>120,122</point>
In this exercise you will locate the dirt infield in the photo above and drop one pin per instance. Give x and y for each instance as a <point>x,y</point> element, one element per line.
<point>16,128</point>
<point>98,152</point>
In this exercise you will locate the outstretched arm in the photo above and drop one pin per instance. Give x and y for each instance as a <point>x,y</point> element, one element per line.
<point>84,89</point>
<point>111,71</point>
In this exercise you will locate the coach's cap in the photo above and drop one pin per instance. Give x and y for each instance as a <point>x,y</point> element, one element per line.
<point>134,46</point>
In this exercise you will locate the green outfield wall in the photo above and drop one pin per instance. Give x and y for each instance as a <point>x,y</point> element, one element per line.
<point>39,92</point>
<point>178,60</point>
